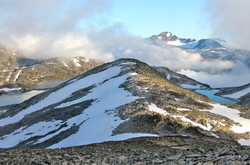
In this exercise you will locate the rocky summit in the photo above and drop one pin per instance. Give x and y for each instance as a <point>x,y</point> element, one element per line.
<point>18,72</point>
<point>116,101</point>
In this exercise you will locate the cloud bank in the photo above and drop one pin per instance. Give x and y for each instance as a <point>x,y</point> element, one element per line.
<point>48,28</point>
<point>237,76</point>
<point>230,20</point>
<point>116,43</point>
<point>62,28</point>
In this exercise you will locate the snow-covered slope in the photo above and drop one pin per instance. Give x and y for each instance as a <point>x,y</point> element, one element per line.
<point>116,101</point>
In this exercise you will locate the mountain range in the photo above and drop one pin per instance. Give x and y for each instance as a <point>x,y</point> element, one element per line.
<point>18,73</point>
<point>207,48</point>
<point>116,101</point>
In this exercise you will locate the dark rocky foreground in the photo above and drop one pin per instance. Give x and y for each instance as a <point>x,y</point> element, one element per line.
<point>164,150</point>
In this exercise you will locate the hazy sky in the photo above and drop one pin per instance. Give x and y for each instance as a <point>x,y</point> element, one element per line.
<point>112,29</point>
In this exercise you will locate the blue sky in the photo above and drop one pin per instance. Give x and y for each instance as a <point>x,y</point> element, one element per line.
<point>101,29</point>
<point>185,18</point>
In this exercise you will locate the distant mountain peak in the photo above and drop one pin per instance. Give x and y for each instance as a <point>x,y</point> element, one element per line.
<point>208,44</point>
<point>165,36</point>
<point>171,39</point>
<point>187,43</point>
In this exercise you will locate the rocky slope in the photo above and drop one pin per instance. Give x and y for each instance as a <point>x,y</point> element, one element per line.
<point>182,80</point>
<point>239,95</point>
<point>18,72</point>
<point>163,150</point>
<point>117,101</point>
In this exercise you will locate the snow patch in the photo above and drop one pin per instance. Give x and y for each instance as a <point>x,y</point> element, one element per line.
<point>154,108</point>
<point>85,59</point>
<point>189,86</point>
<point>183,118</point>
<point>96,123</point>
<point>65,64</point>
<point>63,93</point>
<point>2,111</point>
<point>76,61</point>
<point>25,133</point>
<point>183,109</point>
<point>10,89</point>
<point>233,115</point>
<point>100,119</point>
<point>239,93</point>
<point>8,77</point>
<point>245,142</point>
<point>17,75</point>
<point>175,43</point>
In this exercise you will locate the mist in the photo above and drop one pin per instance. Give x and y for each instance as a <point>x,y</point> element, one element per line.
<point>230,20</point>
<point>46,29</point>
<point>237,76</point>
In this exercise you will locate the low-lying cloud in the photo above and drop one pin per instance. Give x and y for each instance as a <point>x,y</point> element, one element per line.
<point>121,44</point>
<point>48,28</point>
<point>215,72</point>
<point>238,76</point>
<point>45,29</point>
<point>230,20</point>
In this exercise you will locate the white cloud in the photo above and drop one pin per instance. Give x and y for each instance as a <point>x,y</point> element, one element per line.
<point>239,75</point>
<point>230,20</point>
<point>45,28</point>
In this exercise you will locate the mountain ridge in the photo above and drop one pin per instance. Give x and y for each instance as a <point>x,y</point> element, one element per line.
<point>115,101</point>
<point>18,72</point>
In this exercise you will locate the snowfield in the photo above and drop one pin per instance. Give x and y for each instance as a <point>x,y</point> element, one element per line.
<point>233,115</point>
<point>63,93</point>
<point>242,127</point>
<point>96,123</point>
<point>154,108</point>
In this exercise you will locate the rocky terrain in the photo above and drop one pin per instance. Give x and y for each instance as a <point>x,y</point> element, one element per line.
<point>164,150</point>
<point>18,73</point>
<point>117,101</point>
<point>240,94</point>
<point>182,80</point>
